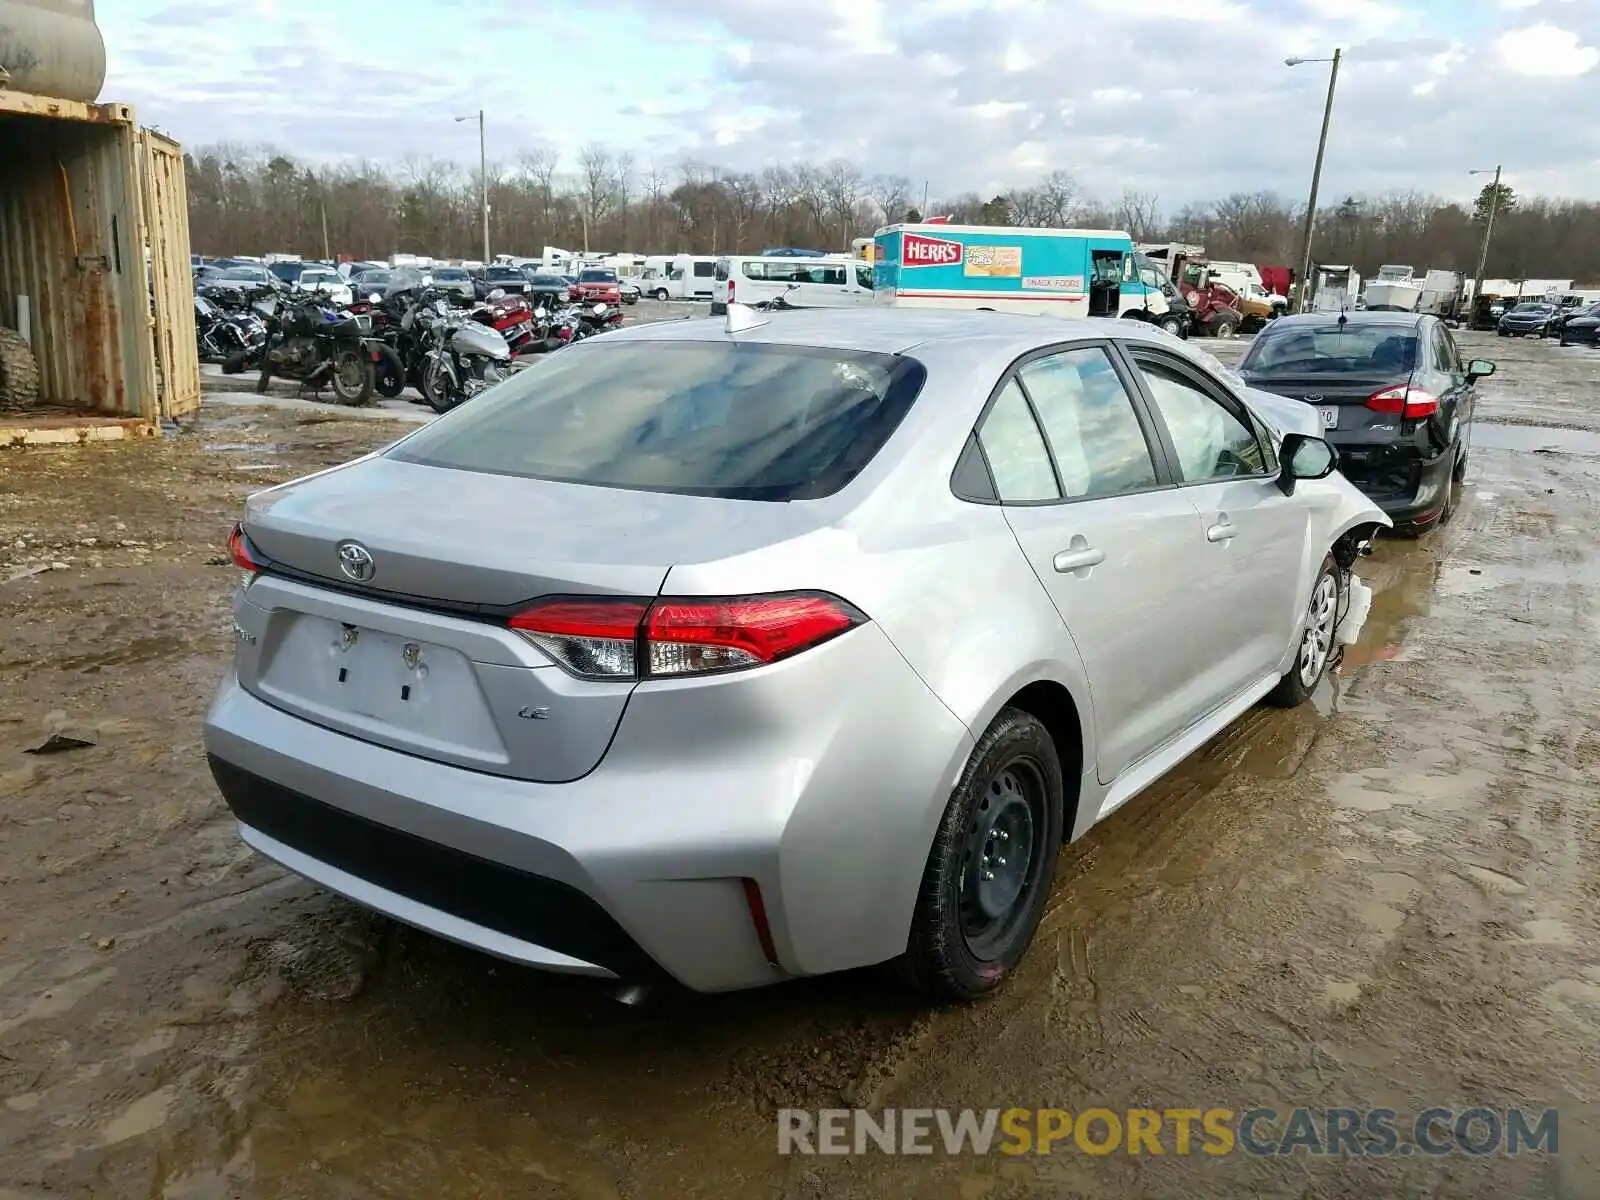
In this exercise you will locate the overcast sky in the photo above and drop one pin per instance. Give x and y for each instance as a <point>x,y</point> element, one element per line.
<point>1186,98</point>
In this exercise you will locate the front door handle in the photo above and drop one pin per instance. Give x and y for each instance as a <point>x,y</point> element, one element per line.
<point>1078,558</point>
<point>1221,531</point>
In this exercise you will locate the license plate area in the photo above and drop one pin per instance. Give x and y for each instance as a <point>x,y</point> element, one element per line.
<point>408,692</point>
<point>1330,418</point>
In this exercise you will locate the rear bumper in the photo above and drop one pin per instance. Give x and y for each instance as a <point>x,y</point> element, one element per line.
<point>636,870</point>
<point>1410,489</point>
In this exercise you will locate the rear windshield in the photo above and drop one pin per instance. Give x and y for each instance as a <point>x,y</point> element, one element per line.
<point>1353,349</point>
<point>455,273</point>
<point>549,281</point>
<point>739,421</point>
<point>1534,308</point>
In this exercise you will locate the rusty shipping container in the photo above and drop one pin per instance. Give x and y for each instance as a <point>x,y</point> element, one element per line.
<point>94,257</point>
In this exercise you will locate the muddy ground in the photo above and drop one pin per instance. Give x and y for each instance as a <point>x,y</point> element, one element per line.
<point>1386,899</point>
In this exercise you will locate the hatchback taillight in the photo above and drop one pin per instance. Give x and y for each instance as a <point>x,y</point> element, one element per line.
<point>672,637</point>
<point>1407,403</point>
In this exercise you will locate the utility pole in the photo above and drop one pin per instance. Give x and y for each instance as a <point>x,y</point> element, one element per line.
<point>1316,174</point>
<point>326,254</point>
<point>924,209</point>
<point>1483,254</point>
<point>483,180</point>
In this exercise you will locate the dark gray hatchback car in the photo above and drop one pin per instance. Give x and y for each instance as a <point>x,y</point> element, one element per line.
<point>1395,397</point>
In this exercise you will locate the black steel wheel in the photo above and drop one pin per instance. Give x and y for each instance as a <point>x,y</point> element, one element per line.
<point>989,872</point>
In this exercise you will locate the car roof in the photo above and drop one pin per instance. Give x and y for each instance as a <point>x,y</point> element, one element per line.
<point>896,330</point>
<point>1358,317</point>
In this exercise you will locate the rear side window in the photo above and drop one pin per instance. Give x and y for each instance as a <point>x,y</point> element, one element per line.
<point>1015,450</point>
<point>704,270</point>
<point>744,421</point>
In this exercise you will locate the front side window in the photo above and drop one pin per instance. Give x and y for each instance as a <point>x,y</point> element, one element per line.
<point>1211,442</point>
<point>1015,450</point>
<point>1088,416</point>
<point>864,276</point>
<point>746,421</point>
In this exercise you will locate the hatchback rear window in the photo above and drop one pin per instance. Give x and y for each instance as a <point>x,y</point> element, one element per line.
<point>744,421</point>
<point>1351,349</point>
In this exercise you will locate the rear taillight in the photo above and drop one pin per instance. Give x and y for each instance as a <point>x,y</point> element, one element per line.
<point>1407,403</point>
<point>597,639</point>
<point>677,636</point>
<point>244,556</point>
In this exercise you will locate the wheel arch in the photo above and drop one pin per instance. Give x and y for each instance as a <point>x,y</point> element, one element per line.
<point>1068,718</point>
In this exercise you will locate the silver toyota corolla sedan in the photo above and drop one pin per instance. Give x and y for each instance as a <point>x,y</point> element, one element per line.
<point>731,652</point>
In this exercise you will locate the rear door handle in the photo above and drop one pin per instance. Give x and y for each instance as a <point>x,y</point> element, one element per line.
<point>1221,531</point>
<point>1078,558</point>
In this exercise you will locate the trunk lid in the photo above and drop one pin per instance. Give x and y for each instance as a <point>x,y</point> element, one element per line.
<point>414,652</point>
<point>1340,400</point>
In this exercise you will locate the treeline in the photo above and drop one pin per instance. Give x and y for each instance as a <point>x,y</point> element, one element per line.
<point>247,200</point>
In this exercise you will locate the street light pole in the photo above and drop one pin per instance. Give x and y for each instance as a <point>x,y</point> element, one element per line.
<point>1316,172</point>
<point>483,180</point>
<point>1483,253</point>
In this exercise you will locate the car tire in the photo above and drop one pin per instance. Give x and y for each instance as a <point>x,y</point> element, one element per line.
<point>1317,644</point>
<point>1459,471</point>
<point>661,295</point>
<point>1171,323</point>
<point>976,913</point>
<point>1222,329</point>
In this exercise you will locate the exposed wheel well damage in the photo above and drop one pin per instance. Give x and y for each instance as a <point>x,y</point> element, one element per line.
<point>1355,543</point>
<point>1053,706</point>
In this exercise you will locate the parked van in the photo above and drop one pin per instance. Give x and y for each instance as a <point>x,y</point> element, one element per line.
<point>678,277</point>
<point>828,281</point>
<point>1056,272</point>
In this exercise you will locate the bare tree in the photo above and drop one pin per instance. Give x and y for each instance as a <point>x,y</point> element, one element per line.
<point>256,199</point>
<point>1060,201</point>
<point>596,179</point>
<point>841,188</point>
<point>1140,214</point>
<point>892,195</point>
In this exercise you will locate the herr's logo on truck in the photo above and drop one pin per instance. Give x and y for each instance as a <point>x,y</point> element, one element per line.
<point>919,251</point>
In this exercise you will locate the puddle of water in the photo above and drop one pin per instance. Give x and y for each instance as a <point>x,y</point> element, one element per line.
<point>1536,438</point>
<point>245,447</point>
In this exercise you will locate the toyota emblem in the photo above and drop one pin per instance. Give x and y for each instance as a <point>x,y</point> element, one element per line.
<point>355,560</point>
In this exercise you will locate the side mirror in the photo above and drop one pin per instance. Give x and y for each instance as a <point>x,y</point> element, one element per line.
<point>1479,368</point>
<point>1304,457</point>
<point>599,310</point>
<point>497,294</point>
<point>541,312</point>
<point>374,298</point>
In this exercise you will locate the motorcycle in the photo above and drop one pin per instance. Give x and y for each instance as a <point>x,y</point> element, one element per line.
<point>511,315</point>
<point>599,319</point>
<point>389,374</point>
<point>311,343</point>
<point>220,335</point>
<point>463,357</point>
<point>251,310</point>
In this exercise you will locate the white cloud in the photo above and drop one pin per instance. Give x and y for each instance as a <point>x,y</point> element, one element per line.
<point>1187,98</point>
<point>1544,49</point>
